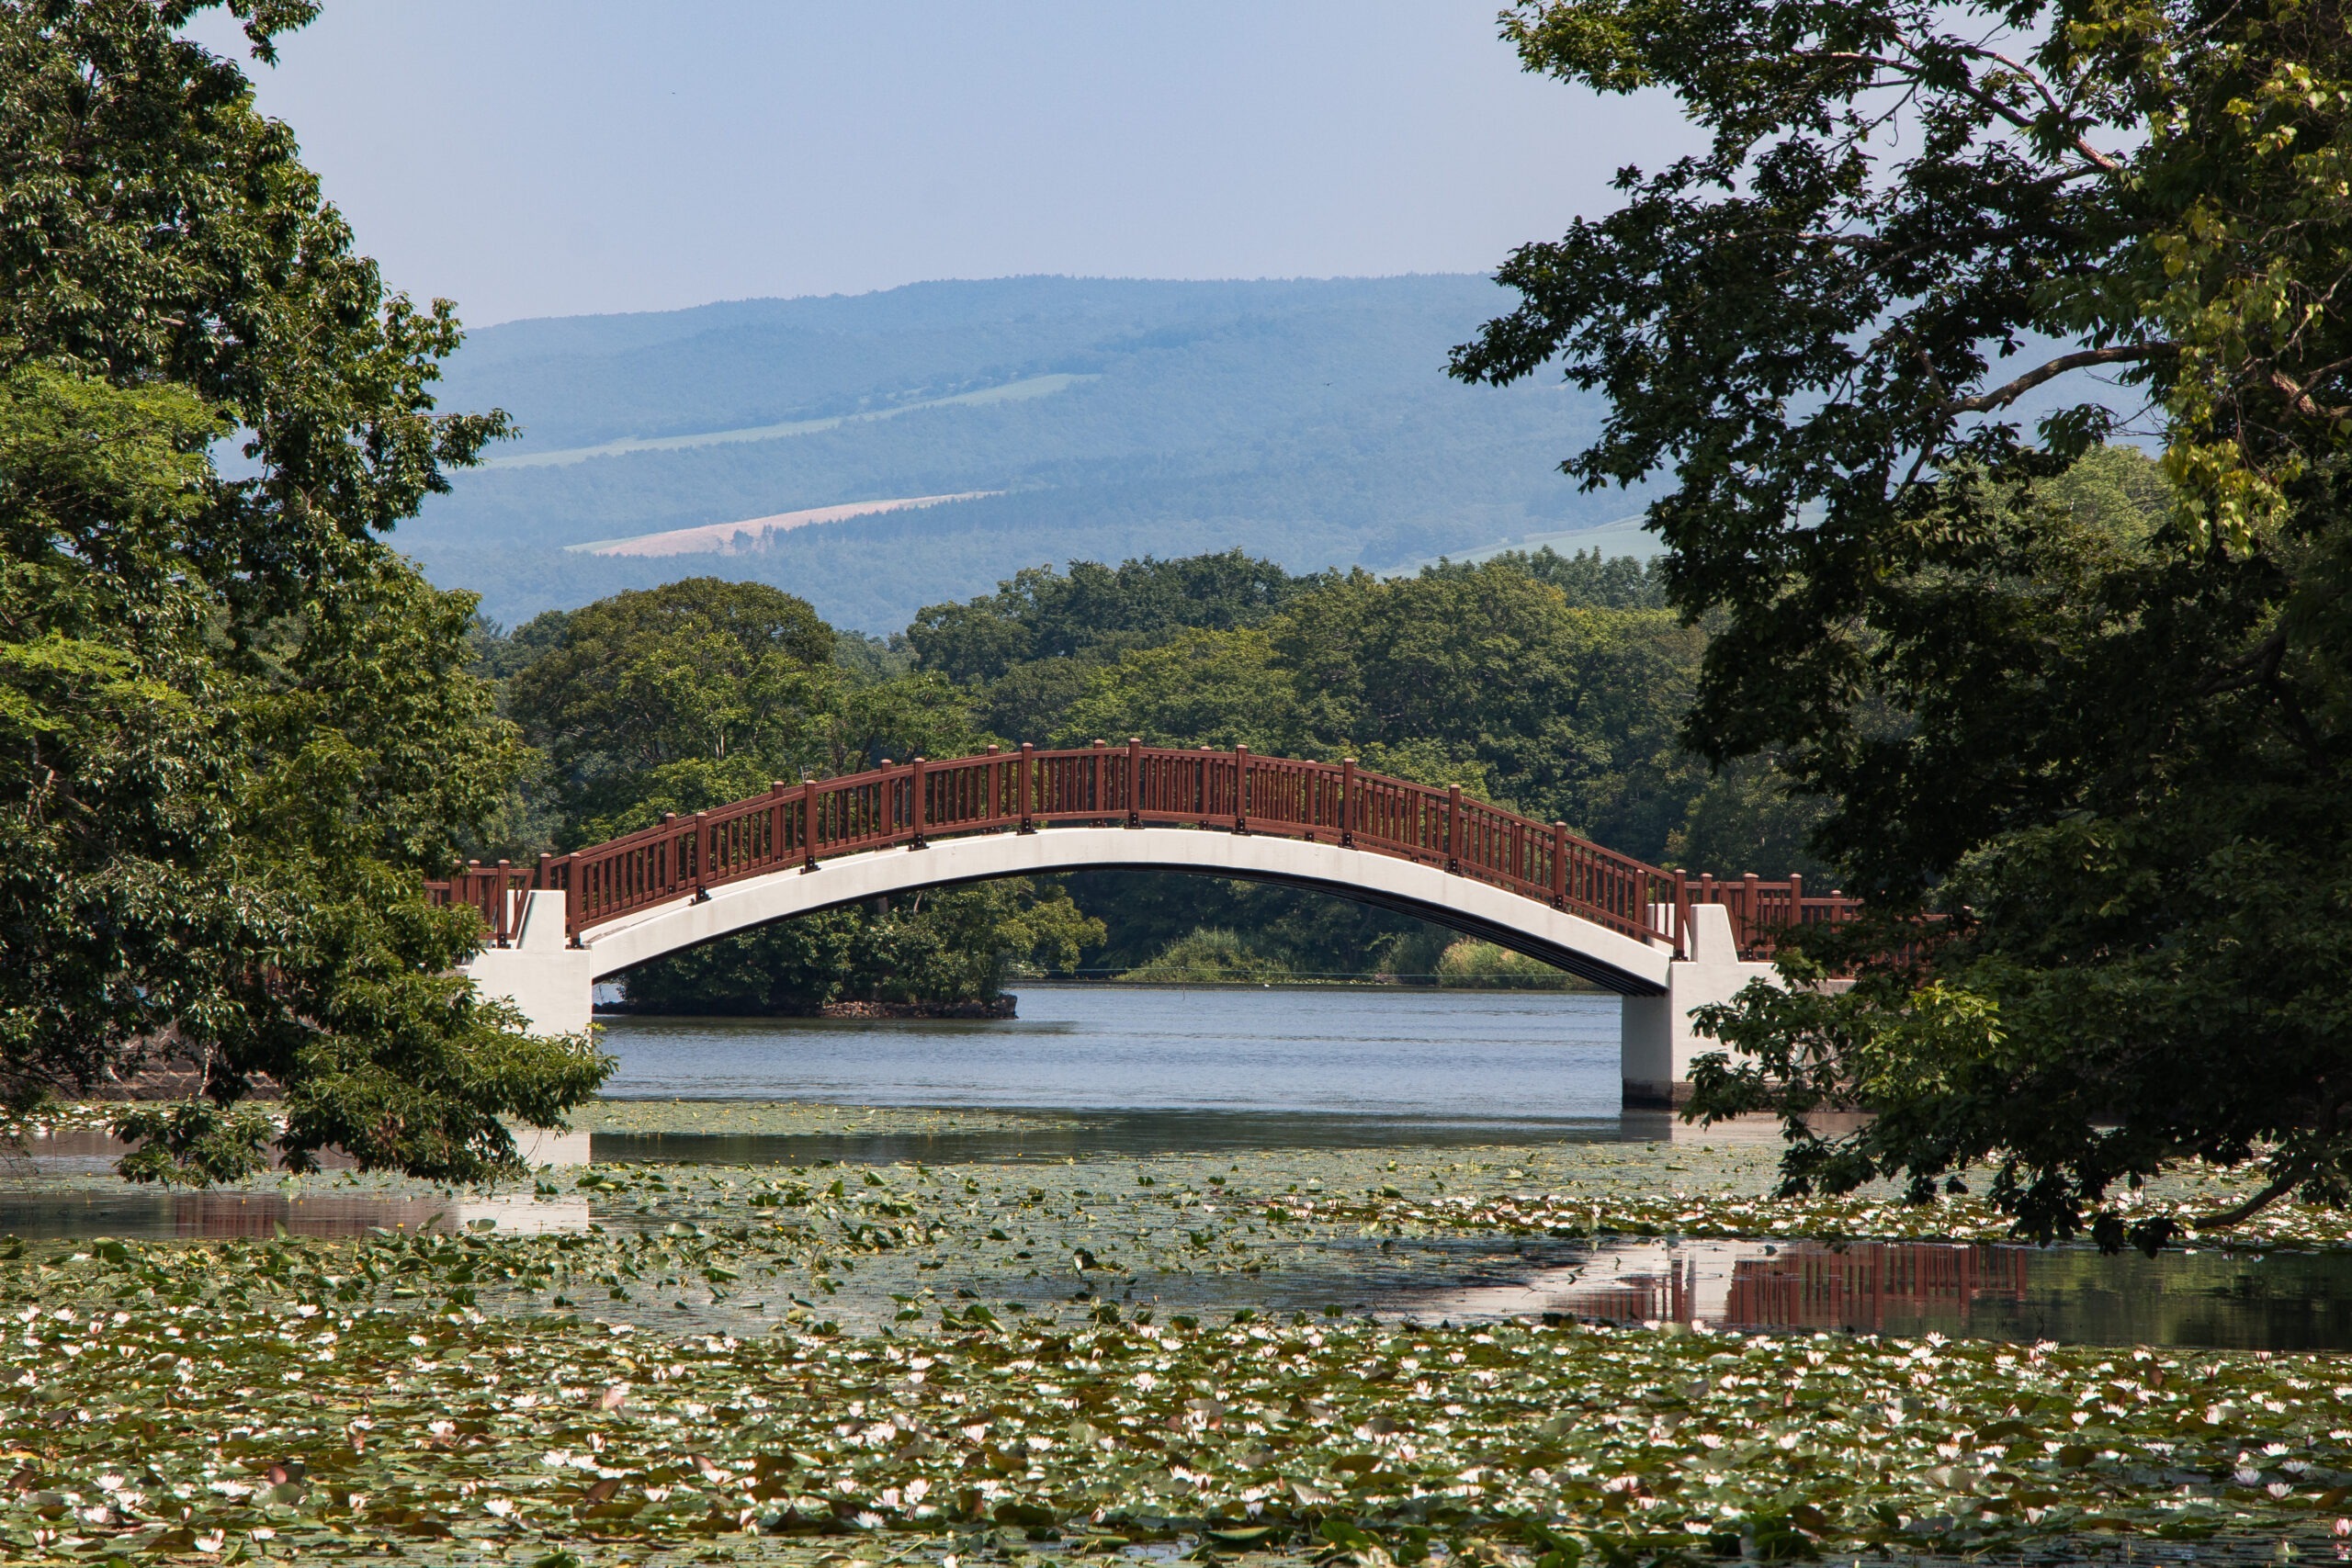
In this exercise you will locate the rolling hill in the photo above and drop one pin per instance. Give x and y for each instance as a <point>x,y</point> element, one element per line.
<point>1310,422</point>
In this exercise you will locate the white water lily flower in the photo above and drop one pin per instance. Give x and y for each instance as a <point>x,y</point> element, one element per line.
<point>498,1506</point>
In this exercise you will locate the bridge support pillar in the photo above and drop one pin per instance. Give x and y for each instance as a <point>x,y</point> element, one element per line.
<point>1656,1042</point>
<point>552,984</point>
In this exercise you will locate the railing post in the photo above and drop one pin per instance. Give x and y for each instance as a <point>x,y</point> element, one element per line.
<point>807,825</point>
<point>1028,754</point>
<point>1559,865</point>
<point>1241,789</point>
<point>918,810</point>
<point>1134,780</point>
<point>1102,817</point>
<point>1452,819</point>
<point>1347,803</point>
<point>1797,901</point>
<point>539,877</point>
<point>996,797</point>
<point>1683,946</point>
<point>501,925</point>
<point>775,821</point>
<point>1751,911</point>
<point>575,898</point>
<point>702,856</point>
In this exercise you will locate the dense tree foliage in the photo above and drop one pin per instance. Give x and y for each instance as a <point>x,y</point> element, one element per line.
<point>1484,675</point>
<point>2108,751</point>
<point>1024,649</point>
<point>684,698</point>
<point>237,724</point>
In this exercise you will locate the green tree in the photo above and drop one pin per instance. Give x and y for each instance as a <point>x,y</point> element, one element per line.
<point>1555,708</point>
<point>937,946</point>
<point>676,698</point>
<point>1486,676</point>
<point>1209,955</point>
<point>2108,750</point>
<point>1590,580</point>
<point>1206,688</point>
<point>1028,649</point>
<point>238,724</point>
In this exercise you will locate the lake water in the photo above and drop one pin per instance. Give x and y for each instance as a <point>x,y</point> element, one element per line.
<point>1117,1073</point>
<point>1488,1058</point>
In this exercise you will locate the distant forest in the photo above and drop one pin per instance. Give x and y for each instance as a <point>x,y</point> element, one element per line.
<point>1307,422</point>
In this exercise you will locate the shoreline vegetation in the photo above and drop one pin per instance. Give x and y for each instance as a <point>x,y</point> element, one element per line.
<point>1206,960</point>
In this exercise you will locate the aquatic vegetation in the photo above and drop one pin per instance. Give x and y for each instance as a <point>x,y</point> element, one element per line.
<point>881,1362</point>
<point>302,1424</point>
<point>1962,1217</point>
<point>62,1116</point>
<point>794,1118</point>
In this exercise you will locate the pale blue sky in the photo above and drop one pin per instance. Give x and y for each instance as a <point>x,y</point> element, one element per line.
<point>554,157</point>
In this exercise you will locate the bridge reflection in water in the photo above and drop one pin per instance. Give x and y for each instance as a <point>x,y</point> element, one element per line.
<point>1866,1287</point>
<point>144,1215</point>
<point>1870,1287</point>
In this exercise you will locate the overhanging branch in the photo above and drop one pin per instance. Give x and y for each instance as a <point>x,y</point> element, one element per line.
<point>2222,1219</point>
<point>2001,396</point>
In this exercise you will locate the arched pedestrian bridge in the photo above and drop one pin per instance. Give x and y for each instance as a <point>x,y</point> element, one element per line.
<point>1665,941</point>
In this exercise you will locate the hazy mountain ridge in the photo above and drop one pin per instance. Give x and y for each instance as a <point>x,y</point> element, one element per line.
<point>1309,422</point>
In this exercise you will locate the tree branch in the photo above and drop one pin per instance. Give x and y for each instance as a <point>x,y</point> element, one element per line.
<point>2001,396</point>
<point>2222,1219</point>
<point>2300,399</point>
<point>1914,72</point>
<point>2106,163</point>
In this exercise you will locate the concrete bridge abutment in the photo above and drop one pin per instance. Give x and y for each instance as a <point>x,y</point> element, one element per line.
<point>1656,1039</point>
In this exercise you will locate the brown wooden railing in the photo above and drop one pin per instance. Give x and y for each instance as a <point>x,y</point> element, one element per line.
<point>1135,786</point>
<point>1763,912</point>
<point>492,891</point>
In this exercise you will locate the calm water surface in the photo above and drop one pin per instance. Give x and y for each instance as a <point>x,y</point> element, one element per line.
<point>1488,1058</point>
<point>1134,1071</point>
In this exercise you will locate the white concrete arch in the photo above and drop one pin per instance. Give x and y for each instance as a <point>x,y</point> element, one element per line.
<point>552,982</point>
<point>1617,962</point>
